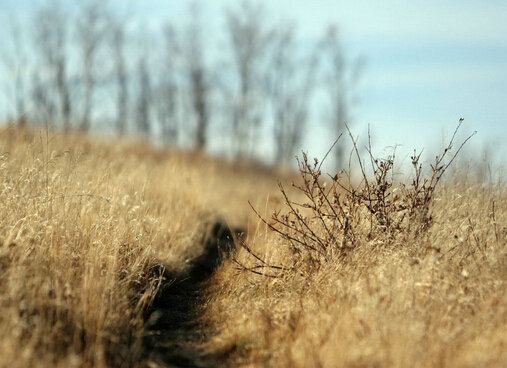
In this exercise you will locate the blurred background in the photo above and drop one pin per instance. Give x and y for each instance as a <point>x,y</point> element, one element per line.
<point>261,79</point>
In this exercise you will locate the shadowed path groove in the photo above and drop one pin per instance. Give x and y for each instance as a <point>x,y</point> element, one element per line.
<point>173,335</point>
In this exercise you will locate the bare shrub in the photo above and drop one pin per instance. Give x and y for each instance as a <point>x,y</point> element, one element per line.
<point>336,216</point>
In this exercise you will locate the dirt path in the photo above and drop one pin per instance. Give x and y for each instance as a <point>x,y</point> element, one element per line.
<point>174,336</point>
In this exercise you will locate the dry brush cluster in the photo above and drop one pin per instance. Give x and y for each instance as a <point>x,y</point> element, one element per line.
<point>333,215</point>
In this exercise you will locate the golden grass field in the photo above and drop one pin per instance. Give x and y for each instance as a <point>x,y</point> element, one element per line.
<point>85,222</point>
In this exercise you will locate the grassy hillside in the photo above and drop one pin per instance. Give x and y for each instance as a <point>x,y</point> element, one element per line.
<point>82,226</point>
<point>85,226</point>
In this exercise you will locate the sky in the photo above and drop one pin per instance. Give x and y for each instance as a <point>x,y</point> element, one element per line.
<point>428,63</point>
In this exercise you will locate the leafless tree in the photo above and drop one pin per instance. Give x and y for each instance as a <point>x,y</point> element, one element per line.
<point>197,75</point>
<point>121,76</point>
<point>91,31</point>
<point>143,106</point>
<point>249,39</point>
<point>43,105</point>
<point>51,38</point>
<point>290,82</point>
<point>168,89</point>
<point>16,63</point>
<point>341,79</point>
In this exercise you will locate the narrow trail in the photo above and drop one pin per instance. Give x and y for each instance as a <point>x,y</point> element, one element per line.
<point>174,335</point>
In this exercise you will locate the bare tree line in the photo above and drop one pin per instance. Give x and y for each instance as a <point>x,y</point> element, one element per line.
<point>76,66</point>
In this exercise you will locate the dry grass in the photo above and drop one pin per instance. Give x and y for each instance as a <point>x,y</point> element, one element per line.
<point>371,275</point>
<point>83,223</point>
<point>419,302</point>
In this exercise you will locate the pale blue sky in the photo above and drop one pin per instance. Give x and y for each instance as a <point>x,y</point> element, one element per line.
<point>428,62</point>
